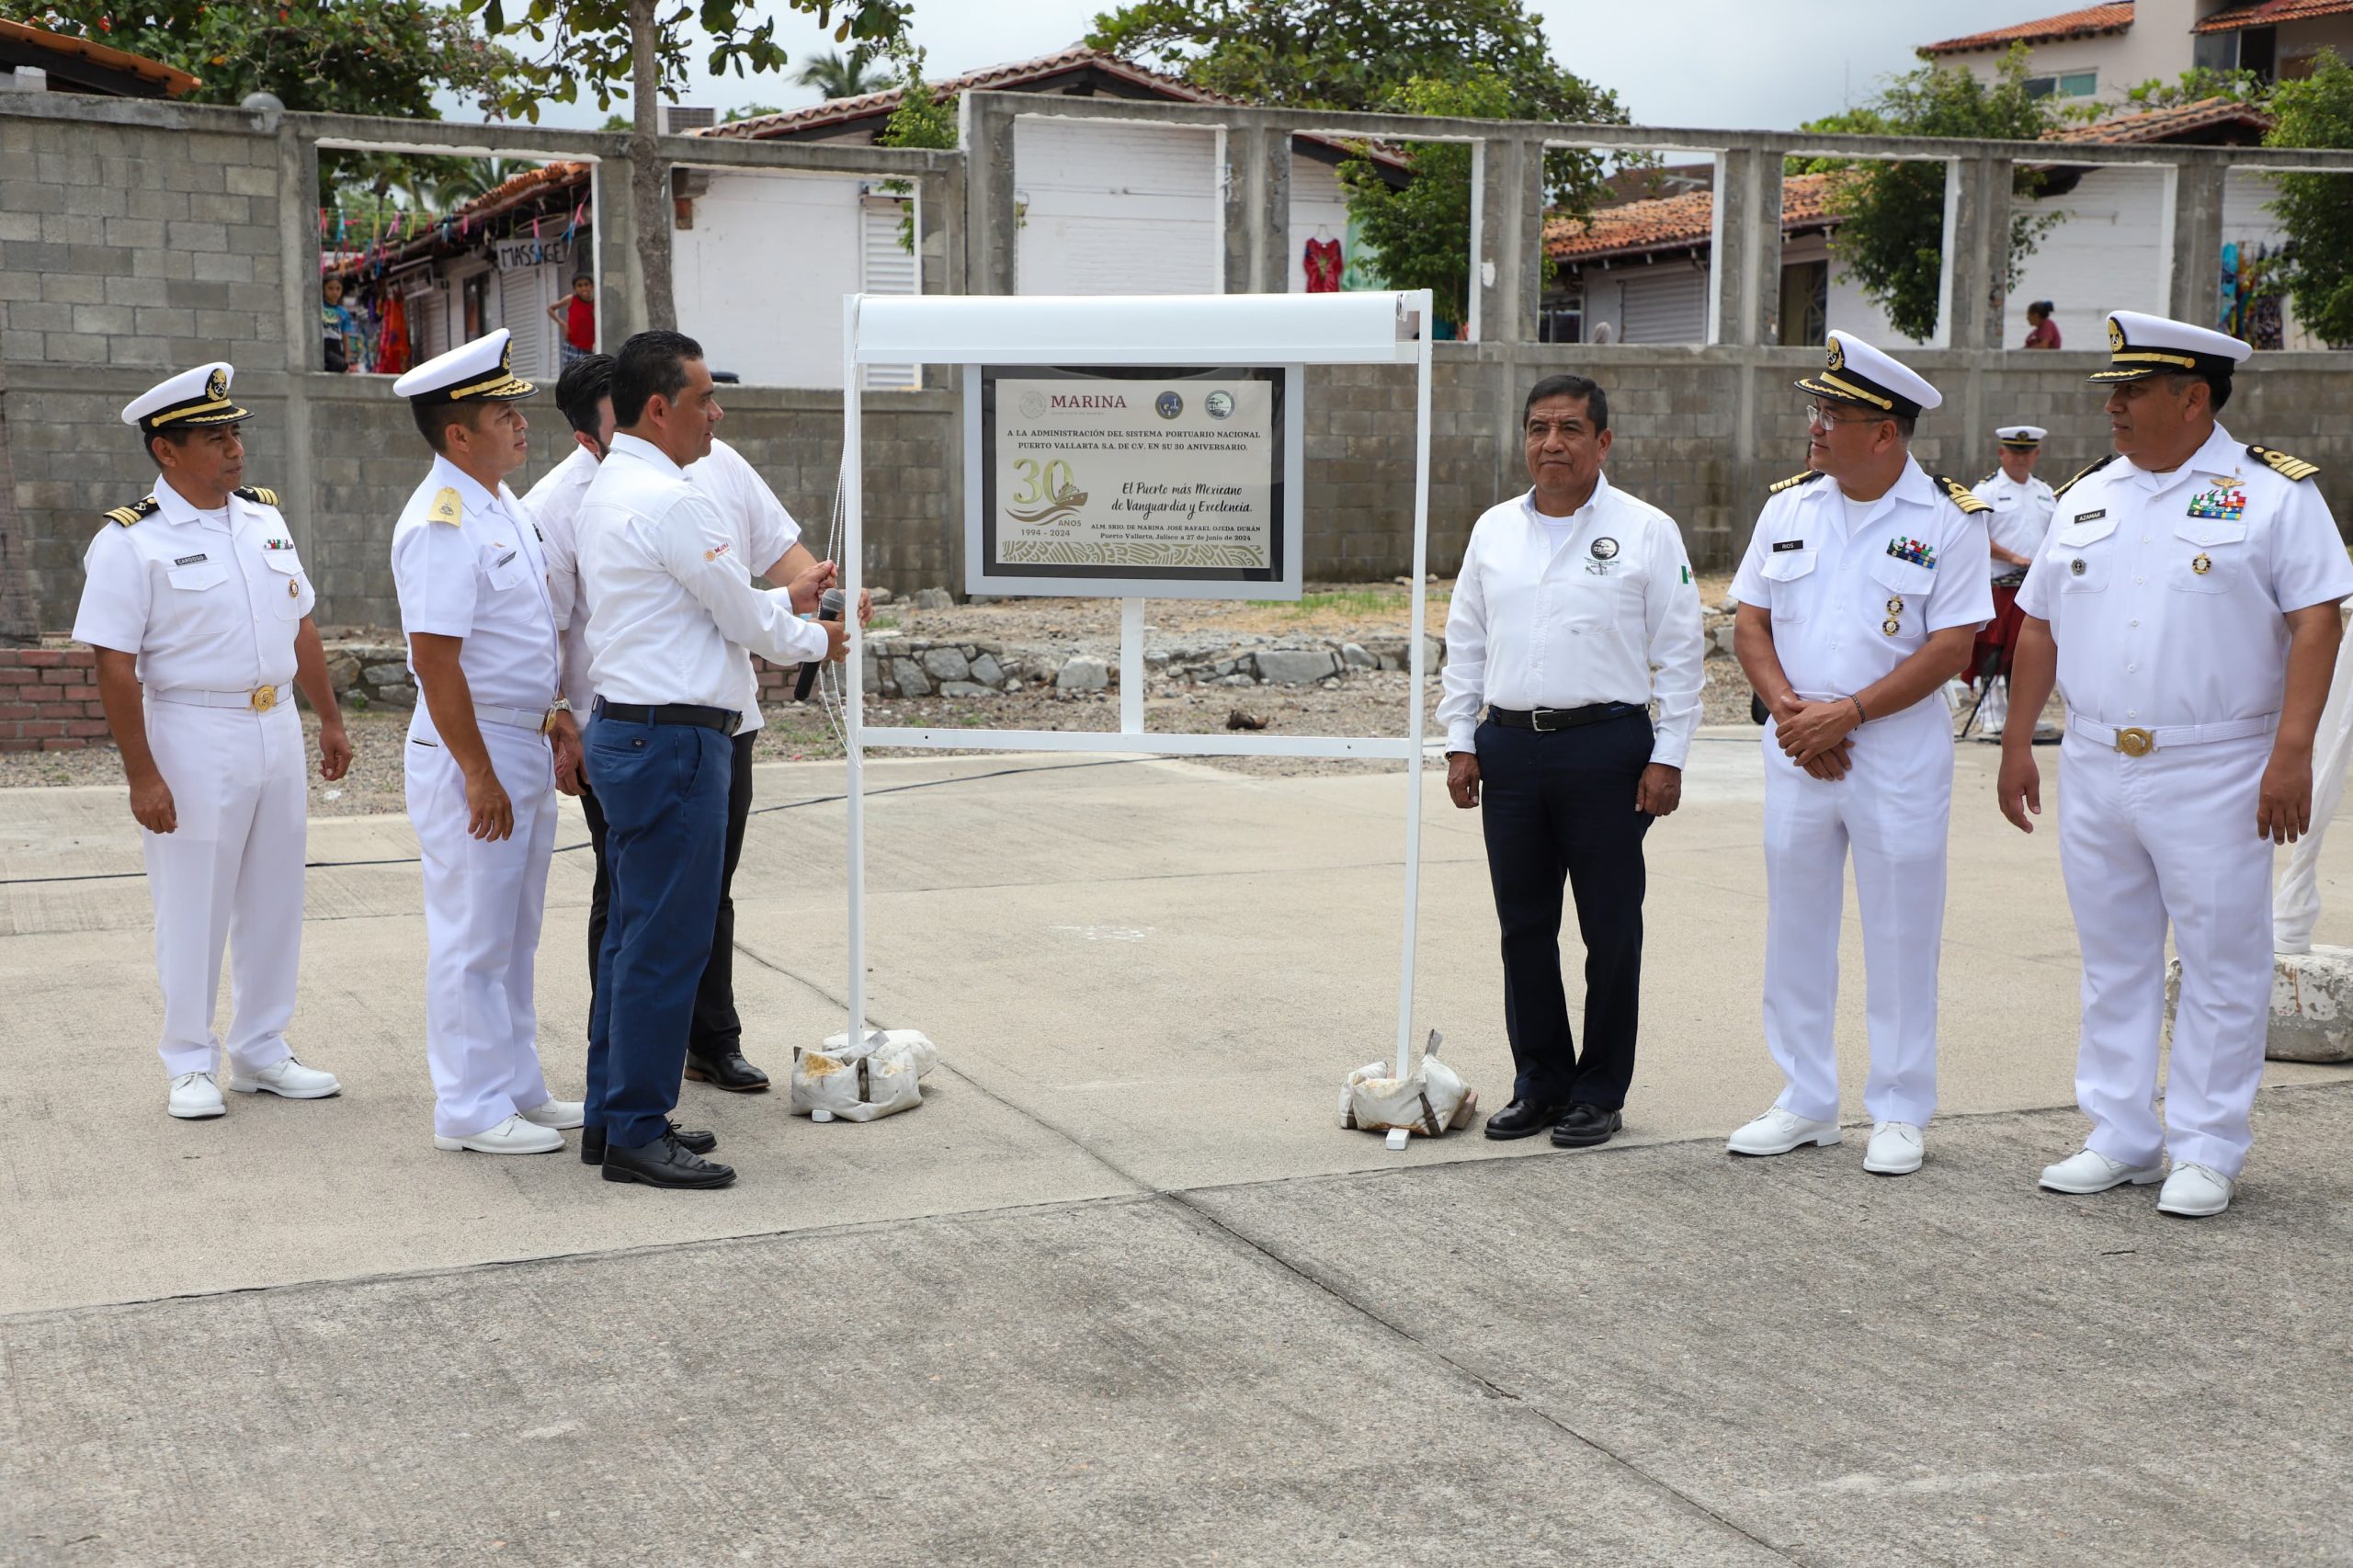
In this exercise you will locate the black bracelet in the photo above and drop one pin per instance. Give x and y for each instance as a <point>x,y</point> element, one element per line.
<point>1861,716</point>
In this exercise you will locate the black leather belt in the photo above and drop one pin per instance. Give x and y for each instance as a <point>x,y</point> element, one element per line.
<point>1544,720</point>
<point>724,720</point>
<point>2011,579</point>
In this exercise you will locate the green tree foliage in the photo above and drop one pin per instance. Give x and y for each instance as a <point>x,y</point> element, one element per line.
<point>836,75</point>
<point>1891,215</point>
<point>924,119</point>
<point>1486,58</point>
<point>638,49</point>
<point>2317,210</point>
<point>2192,86</point>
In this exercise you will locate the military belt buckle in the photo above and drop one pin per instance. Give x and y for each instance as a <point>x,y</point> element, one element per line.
<point>264,698</point>
<point>2135,742</point>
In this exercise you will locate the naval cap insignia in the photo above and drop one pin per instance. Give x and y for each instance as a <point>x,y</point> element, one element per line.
<point>216,385</point>
<point>1837,359</point>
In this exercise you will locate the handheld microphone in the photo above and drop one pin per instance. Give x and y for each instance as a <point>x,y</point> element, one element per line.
<point>829,608</point>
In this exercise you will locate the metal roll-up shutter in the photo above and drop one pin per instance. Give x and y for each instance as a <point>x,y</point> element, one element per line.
<point>1666,304</point>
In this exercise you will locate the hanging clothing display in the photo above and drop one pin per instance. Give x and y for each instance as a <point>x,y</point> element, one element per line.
<point>1323,267</point>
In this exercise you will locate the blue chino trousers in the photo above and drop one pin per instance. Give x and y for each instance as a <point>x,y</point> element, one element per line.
<point>663,790</point>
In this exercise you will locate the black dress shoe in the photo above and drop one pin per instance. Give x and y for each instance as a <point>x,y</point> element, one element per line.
<point>1522,1120</point>
<point>727,1070</point>
<point>1584,1126</point>
<point>592,1142</point>
<point>664,1164</point>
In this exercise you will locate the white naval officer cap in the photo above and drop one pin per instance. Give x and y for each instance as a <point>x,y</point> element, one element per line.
<point>189,401</point>
<point>2020,436</point>
<point>1857,373</point>
<point>2143,345</point>
<point>471,372</point>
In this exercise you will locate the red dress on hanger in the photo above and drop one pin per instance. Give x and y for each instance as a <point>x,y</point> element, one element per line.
<point>1322,262</point>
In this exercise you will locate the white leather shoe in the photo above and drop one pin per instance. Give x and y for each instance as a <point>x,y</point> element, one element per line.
<point>2195,1191</point>
<point>1896,1149</point>
<point>195,1097</point>
<point>288,1079</point>
<point>2088,1170</point>
<point>512,1136</point>
<point>1778,1131</point>
<point>560,1115</point>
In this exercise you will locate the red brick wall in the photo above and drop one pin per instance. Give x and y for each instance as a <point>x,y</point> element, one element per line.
<point>49,699</point>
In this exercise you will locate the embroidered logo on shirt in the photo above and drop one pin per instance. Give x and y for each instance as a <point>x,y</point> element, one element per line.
<point>190,560</point>
<point>1781,545</point>
<point>2225,500</point>
<point>1913,550</point>
<point>1604,548</point>
<point>714,553</point>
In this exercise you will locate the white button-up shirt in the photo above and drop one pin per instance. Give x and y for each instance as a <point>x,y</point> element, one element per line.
<point>482,578</point>
<point>209,601</point>
<point>756,521</point>
<point>2165,591</point>
<point>669,594</point>
<point>1850,604</point>
<point>2021,516</point>
<point>1599,608</point>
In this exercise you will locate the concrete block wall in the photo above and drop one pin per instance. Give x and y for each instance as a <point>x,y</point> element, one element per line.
<point>136,245</point>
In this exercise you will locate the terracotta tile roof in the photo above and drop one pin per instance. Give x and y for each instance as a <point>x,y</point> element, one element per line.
<point>2091,22</point>
<point>871,106</point>
<point>169,80</point>
<point>516,190</point>
<point>2264,13</point>
<point>2167,124</point>
<point>1673,222</point>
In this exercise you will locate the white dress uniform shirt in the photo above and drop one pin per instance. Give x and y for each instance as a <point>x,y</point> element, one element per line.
<point>2165,593</point>
<point>2158,586</point>
<point>209,601</point>
<point>1595,607</point>
<point>2020,518</point>
<point>481,576</point>
<point>759,527</point>
<point>1912,561</point>
<point>669,596</point>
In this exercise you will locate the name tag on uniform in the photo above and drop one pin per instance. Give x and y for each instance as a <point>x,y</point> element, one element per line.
<point>190,560</point>
<point>1787,544</point>
<point>2091,517</point>
<point>505,559</point>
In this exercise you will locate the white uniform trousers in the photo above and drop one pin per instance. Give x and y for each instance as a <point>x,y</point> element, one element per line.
<point>483,906</point>
<point>2144,840</point>
<point>230,875</point>
<point>1891,811</point>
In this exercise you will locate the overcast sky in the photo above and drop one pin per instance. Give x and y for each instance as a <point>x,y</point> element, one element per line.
<point>1761,63</point>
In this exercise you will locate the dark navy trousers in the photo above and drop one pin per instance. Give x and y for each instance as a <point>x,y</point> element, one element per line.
<point>663,790</point>
<point>1559,808</point>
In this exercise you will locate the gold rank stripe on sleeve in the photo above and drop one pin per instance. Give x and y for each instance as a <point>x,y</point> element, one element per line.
<point>127,515</point>
<point>1808,477</point>
<point>256,492</point>
<point>2282,464</point>
<point>1962,497</point>
<point>447,506</point>
<point>2082,474</point>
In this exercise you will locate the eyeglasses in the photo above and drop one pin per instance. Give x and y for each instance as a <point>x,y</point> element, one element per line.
<point>1820,418</point>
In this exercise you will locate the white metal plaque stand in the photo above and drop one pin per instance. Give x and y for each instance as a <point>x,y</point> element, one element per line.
<point>1143,330</point>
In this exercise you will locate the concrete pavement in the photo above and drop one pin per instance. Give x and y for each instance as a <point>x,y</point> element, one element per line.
<point>1121,1290</point>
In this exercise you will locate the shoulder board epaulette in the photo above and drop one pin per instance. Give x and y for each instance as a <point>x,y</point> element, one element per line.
<point>1988,479</point>
<point>2082,474</point>
<point>2282,464</point>
<point>1808,477</point>
<point>127,515</point>
<point>256,493</point>
<point>1962,497</point>
<point>447,506</point>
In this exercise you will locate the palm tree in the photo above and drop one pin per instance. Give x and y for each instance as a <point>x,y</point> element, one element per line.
<point>839,78</point>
